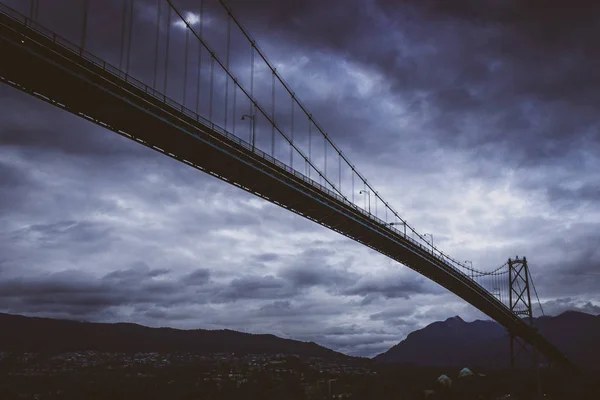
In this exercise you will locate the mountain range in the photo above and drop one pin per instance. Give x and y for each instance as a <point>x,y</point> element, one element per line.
<point>454,342</point>
<point>27,334</point>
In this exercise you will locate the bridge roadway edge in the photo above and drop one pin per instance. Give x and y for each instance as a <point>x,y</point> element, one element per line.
<point>38,66</point>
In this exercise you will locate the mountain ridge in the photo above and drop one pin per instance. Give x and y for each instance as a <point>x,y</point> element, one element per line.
<point>452,342</point>
<point>35,334</point>
<point>484,343</point>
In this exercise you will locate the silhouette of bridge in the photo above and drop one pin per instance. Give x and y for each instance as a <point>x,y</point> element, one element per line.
<point>162,79</point>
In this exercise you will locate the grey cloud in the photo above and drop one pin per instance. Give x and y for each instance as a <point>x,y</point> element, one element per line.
<point>254,287</point>
<point>266,257</point>
<point>276,309</point>
<point>80,293</point>
<point>518,101</point>
<point>560,305</point>
<point>74,232</point>
<point>394,313</point>
<point>197,277</point>
<point>167,314</point>
<point>11,176</point>
<point>158,272</point>
<point>35,126</point>
<point>306,274</point>
<point>390,287</point>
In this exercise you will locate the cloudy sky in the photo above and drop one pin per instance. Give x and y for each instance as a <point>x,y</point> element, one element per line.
<point>477,120</point>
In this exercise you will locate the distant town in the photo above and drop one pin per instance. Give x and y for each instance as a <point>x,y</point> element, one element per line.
<point>107,375</point>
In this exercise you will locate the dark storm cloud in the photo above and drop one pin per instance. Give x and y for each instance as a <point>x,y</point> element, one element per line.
<point>313,275</point>
<point>14,184</point>
<point>390,287</point>
<point>278,308</point>
<point>37,126</point>
<point>312,268</point>
<point>79,293</point>
<point>138,272</point>
<point>75,232</point>
<point>254,287</point>
<point>197,277</point>
<point>572,261</point>
<point>11,176</point>
<point>567,199</point>
<point>70,290</point>
<point>522,72</point>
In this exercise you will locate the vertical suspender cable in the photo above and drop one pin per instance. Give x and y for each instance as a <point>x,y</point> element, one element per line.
<point>500,287</point>
<point>273,114</point>
<point>212,80</point>
<point>505,283</point>
<point>325,154</point>
<point>252,132</point>
<point>506,289</point>
<point>167,51</point>
<point>198,77</point>
<point>292,136</point>
<point>199,72</point>
<point>309,143</point>
<point>340,171</point>
<point>501,282</point>
<point>157,37</point>
<point>227,65</point>
<point>129,35</point>
<point>234,105</point>
<point>86,7</point>
<point>185,61</point>
<point>123,27</point>
<point>352,185</point>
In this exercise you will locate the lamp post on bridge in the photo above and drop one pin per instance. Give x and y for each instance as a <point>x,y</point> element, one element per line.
<point>252,127</point>
<point>399,223</point>
<point>471,270</point>
<point>369,196</point>
<point>425,234</point>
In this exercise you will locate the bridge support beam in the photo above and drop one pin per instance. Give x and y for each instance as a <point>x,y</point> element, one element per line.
<point>520,305</point>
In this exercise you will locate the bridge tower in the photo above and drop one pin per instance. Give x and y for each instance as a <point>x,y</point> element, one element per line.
<point>520,304</point>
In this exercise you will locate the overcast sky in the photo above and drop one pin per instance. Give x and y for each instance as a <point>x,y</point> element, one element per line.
<point>477,120</point>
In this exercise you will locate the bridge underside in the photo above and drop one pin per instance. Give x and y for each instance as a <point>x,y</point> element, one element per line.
<point>38,65</point>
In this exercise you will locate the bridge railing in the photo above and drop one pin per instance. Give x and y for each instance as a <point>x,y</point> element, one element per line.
<point>116,72</point>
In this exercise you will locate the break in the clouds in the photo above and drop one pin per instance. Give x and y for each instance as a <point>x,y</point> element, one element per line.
<point>476,120</point>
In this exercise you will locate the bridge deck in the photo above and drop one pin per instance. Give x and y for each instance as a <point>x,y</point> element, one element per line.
<point>48,67</point>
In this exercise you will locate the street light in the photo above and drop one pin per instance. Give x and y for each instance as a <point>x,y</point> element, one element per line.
<point>369,195</point>
<point>399,223</point>
<point>252,126</point>
<point>425,234</point>
<point>471,270</point>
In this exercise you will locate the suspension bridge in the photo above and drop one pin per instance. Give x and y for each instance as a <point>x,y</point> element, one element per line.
<point>188,80</point>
